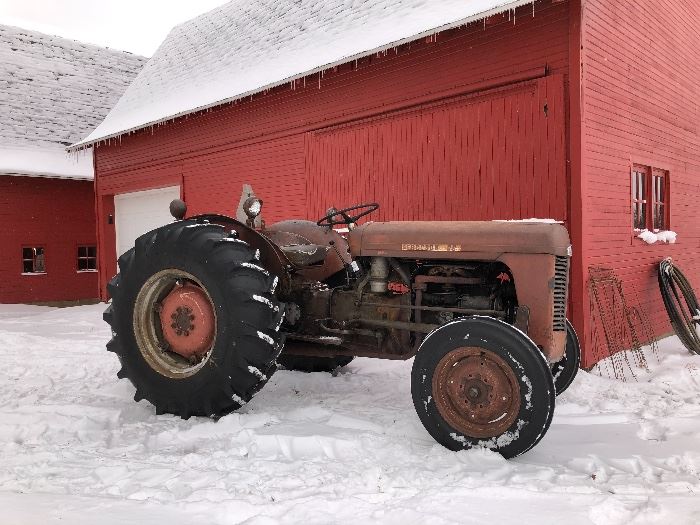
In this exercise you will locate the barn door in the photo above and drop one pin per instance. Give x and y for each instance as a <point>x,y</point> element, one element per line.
<point>493,155</point>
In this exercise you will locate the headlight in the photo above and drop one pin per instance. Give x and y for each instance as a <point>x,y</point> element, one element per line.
<point>252,207</point>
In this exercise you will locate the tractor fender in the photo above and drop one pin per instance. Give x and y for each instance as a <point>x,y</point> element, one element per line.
<point>271,257</point>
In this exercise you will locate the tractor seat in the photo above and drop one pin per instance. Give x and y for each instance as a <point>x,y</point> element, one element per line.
<point>305,254</point>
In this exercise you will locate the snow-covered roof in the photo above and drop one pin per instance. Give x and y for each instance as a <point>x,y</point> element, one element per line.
<point>54,91</point>
<point>52,162</point>
<point>247,46</point>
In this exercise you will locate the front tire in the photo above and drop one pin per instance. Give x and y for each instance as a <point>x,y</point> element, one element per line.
<point>565,370</point>
<point>479,382</point>
<point>167,358</point>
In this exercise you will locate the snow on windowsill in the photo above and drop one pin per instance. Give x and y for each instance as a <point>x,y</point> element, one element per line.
<point>33,273</point>
<point>667,237</point>
<point>86,271</point>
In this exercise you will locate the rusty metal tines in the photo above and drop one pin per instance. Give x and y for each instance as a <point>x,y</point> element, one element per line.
<point>618,330</point>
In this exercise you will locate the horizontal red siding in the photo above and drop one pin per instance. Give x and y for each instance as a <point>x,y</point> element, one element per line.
<point>641,71</point>
<point>58,215</point>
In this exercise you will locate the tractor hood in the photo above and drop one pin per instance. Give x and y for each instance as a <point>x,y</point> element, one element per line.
<point>458,240</point>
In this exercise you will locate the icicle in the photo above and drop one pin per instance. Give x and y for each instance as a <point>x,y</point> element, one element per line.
<point>319,81</point>
<point>533,9</point>
<point>304,82</point>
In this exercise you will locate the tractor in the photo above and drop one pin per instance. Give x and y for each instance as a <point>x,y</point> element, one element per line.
<point>205,309</point>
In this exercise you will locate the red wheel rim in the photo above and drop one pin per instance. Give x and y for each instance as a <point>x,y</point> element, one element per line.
<point>187,320</point>
<point>476,392</point>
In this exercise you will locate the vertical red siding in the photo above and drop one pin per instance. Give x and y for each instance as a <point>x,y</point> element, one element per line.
<point>497,155</point>
<point>58,215</point>
<point>641,72</point>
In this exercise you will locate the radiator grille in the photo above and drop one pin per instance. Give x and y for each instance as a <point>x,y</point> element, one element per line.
<point>561,285</point>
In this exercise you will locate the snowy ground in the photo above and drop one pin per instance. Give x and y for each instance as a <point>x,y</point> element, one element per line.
<point>317,449</point>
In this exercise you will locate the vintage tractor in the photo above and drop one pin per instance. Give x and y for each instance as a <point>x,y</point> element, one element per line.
<point>205,309</point>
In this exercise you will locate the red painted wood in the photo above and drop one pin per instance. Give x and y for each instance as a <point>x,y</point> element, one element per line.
<point>58,215</point>
<point>267,141</point>
<point>345,163</point>
<point>640,106</point>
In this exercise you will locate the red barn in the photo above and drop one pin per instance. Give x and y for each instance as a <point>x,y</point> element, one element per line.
<point>585,111</point>
<point>53,92</point>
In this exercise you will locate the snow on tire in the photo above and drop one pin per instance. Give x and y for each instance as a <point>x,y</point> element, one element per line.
<point>234,361</point>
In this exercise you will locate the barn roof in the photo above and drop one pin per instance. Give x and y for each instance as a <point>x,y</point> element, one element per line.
<point>247,46</point>
<point>54,91</point>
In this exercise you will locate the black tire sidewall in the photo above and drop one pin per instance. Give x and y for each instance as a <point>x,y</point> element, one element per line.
<point>565,371</point>
<point>514,347</point>
<point>226,369</point>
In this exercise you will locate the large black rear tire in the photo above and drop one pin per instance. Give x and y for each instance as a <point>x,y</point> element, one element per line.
<point>246,338</point>
<point>479,382</point>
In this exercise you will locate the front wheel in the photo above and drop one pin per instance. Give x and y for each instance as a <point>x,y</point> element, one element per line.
<point>565,370</point>
<point>479,382</point>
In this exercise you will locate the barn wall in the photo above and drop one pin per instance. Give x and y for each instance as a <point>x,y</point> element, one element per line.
<point>262,139</point>
<point>58,215</point>
<point>265,140</point>
<point>641,71</point>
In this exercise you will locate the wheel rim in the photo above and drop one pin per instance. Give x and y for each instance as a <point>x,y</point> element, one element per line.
<point>476,392</point>
<point>174,323</point>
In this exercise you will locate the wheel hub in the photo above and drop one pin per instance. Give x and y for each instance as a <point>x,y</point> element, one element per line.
<point>187,320</point>
<point>476,392</point>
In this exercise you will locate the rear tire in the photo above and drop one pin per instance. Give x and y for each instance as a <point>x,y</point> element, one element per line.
<point>302,363</point>
<point>479,382</point>
<point>246,341</point>
<point>565,371</point>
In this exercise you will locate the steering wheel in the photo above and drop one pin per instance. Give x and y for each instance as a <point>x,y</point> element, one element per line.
<point>329,220</point>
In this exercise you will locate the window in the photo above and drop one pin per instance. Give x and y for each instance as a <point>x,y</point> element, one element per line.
<point>639,202</point>
<point>87,258</point>
<point>649,198</point>
<point>658,199</point>
<point>33,260</point>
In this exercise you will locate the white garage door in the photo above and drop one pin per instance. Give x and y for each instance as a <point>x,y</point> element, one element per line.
<point>140,212</point>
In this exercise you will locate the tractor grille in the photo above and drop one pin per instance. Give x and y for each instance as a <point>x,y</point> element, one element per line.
<point>561,285</point>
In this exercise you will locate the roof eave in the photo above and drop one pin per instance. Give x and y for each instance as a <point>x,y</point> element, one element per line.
<point>42,175</point>
<point>83,144</point>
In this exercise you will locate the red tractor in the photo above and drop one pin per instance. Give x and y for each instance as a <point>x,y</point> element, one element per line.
<point>205,309</point>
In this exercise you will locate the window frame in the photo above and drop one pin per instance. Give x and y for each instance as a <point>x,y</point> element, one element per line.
<point>640,200</point>
<point>660,200</point>
<point>78,258</point>
<point>651,197</point>
<point>23,259</point>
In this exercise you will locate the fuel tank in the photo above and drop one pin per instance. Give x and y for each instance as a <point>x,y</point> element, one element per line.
<point>458,240</point>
